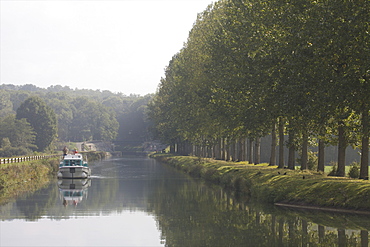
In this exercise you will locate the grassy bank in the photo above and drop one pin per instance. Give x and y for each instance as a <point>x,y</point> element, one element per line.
<point>28,176</point>
<point>269,184</point>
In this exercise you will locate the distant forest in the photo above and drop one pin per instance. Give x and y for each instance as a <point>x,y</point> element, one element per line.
<point>81,115</point>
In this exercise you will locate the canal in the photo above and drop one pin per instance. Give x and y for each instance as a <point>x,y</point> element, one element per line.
<point>140,202</point>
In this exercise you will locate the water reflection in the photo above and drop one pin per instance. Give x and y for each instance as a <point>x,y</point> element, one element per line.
<point>187,212</point>
<point>73,191</point>
<point>208,216</point>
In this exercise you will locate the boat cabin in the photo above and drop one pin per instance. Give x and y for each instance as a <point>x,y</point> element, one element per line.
<point>73,160</point>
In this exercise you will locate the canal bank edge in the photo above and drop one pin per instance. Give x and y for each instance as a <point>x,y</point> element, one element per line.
<point>305,189</point>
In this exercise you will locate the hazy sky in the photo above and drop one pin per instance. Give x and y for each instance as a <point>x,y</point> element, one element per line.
<point>121,46</point>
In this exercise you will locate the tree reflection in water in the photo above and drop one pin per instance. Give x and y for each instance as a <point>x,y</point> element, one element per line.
<point>209,216</point>
<point>190,212</point>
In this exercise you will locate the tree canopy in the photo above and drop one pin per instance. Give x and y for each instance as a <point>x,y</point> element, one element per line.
<point>81,114</point>
<point>248,63</point>
<point>41,118</point>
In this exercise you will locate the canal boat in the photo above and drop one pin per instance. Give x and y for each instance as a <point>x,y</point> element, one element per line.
<point>73,166</point>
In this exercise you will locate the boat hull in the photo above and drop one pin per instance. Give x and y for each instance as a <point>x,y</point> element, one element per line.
<point>74,172</point>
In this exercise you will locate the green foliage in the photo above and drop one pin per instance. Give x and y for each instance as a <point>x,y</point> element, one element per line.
<point>91,156</point>
<point>6,106</point>
<point>92,121</point>
<point>334,168</point>
<point>311,161</point>
<point>17,137</point>
<point>9,151</point>
<point>83,114</point>
<point>354,170</point>
<point>42,119</point>
<point>247,63</point>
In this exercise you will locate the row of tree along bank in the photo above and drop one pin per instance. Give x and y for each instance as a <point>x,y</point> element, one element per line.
<point>254,68</point>
<point>267,184</point>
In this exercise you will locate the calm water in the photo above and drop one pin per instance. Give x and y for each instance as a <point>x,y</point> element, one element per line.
<point>139,202</point>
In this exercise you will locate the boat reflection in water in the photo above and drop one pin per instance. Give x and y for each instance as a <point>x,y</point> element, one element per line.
<point>73,191</point>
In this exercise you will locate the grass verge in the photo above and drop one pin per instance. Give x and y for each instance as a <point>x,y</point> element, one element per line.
<point>28,176</point>
<point>269,184</point>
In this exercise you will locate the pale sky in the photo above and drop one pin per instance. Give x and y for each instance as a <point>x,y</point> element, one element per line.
<point>120,46</point>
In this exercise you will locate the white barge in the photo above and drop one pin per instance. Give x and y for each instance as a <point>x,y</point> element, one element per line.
<point>73,166</point>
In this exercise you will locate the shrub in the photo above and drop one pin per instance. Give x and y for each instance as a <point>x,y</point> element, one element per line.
<point>354,170</point>
<point>14,151</point>
<point>334,169</point>
<point>311,162</point>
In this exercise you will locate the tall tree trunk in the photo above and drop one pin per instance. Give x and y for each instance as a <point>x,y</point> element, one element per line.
<point>232,150</point>
<point>273,145</point>
<point>241,149</point>
<point>342,145</point>
<point>219,149</point>
<point>281,143</point>
<point>257,151</point>
<point>223,149</point>
<point>304,156</point>
<point>321,158</point>
<point>364,167</point>
<point>195,150</point>
<point>214,150</point>
<point>291,156</point>
<point>250,151</point>
<point>227,149</point>
<point>244,149</point>
<point>190,148</point>
<point>239,155</point>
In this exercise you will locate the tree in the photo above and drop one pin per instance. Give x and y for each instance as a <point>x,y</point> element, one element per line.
<point>6,106</point>
<point>42,119</point>
<point>17,137</point>
<point>248,63</point>
<point>18,131</point>
<point>63,108</point>
<point>92,121</point>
